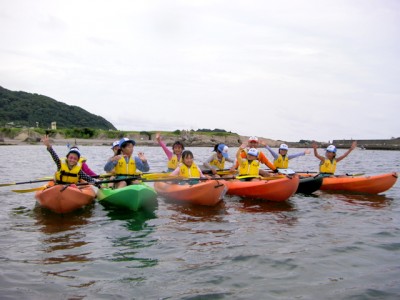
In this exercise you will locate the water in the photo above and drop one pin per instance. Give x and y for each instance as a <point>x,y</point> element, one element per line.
<point>330,246</point>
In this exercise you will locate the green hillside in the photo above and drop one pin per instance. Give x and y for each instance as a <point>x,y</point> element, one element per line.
<point>26,109</point>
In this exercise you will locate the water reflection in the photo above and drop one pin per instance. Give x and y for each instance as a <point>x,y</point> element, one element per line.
<point>373,201</point>
<point>128,244</point>
<point>62,232</point>
<point>186,212</point>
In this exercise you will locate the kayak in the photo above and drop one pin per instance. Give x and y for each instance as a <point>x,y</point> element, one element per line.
<point>279,189</point>
<point>360,184</point>
<point>65,198</point>
<point>208,192</point>
<point>309,184</point>
<point>133,197</point>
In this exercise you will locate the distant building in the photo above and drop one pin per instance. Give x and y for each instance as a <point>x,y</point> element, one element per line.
<point>53,125</point>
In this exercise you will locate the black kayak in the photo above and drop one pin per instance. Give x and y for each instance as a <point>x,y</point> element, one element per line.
<point>309,185</point>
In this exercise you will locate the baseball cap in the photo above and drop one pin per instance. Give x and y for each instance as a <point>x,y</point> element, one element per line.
<point>116,143</point>
<point>126,140</point>
<point>283,147</point>
<point>224,150</point>
<point>331,148</point>
<point>253,151</point>
<point>253,139</point>
<point>74,150</point>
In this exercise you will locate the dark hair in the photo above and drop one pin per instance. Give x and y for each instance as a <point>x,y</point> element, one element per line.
<point>178,143</point>
<point>187,153</point>
<point>216,147</point>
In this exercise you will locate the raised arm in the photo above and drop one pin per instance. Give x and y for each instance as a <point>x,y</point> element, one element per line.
<point>353,146</point>
<point>315,146</point>
<point>167,152</point>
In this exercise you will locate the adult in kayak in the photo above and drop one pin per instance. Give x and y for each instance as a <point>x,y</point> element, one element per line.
<point>253,143</point>
<point>281,159</point>
<point>327,165</point>
<point>124,164</point>
<point>188,168</point>
<point>217,160</point>
<point>174,156</point>
<point>69,169</point>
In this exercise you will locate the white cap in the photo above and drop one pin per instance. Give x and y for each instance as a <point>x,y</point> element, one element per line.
<point>253,139</point>
<point>283,147</point>
<point>253,151</point>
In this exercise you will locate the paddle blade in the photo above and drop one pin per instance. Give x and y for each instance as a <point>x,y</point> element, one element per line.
<point>40,188</point>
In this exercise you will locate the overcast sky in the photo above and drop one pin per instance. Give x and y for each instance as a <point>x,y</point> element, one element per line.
<point>289,70</point>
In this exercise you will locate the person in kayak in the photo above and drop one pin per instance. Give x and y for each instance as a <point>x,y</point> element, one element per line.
<point>174,156</point>
<point>281,159</point>
<point>85,166</point>
<point>249,165</point>
<point>188,168</point>
<point>327,165</point>
<point>217,160</point>
<point>261,157</point>
<point>124,165</point>
<point>69,169</point>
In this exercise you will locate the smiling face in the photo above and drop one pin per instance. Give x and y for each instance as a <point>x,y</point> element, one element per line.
<point>177,149</point>
<point>72,159</point>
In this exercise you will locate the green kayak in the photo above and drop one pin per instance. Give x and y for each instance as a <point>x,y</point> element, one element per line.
<point>133,196</point>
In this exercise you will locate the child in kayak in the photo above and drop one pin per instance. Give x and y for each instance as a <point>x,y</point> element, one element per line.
<point>249,165</point>
<point>188,168</point>
<point>261,157</point>
<point>85,166</point>
<point>69,169</point>
<point>174,157</point>
<point>217,160</point>
<point>281,159</point>
<point>327,165</point>
<point>125,165</point>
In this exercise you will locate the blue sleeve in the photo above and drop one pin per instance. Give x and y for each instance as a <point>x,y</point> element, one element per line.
<point>142,166</point>
<point>290,156</point>
<point>274,154</point>
<point>110,165</point>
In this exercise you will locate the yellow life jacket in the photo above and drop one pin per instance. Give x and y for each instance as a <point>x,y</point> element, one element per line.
<point>249,169</point>
<point>328,166</point>
<point>123,168</point>
<point>67,175</point>
<point>281,162</point>
<point>173,162</point>
<point>220,164</point>
<point>192,172</point>
<point>82,159</point>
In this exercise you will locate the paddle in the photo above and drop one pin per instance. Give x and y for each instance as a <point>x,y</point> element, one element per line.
<point>23,182</point>
<point>39,188</point>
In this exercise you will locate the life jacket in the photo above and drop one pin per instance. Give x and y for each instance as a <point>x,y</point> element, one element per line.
<point>220,164</point>
<point>173,162</point>
<point>67,175</point>
<point>192,172</point>
<point>246,168</point>
<point>281,162</point>
<point>328,166</point>
<point>82,159</point>
<point>123,169</point>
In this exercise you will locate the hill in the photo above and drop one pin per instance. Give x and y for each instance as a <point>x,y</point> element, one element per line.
<point>26,109</point>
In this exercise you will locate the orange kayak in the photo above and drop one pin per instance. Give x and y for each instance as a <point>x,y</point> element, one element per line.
<point>362,184</point>
<point>63,200</point>
<point>208,192</point>
<point>273,190</point>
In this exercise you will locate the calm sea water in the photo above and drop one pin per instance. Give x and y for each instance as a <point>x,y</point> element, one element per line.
<point>324,246</point>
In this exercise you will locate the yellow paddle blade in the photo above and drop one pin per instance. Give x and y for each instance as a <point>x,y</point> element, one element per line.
<point>40,188</point>
<point>151,176</point>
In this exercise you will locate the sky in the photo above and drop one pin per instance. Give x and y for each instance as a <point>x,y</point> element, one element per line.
<point>284,70</point>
